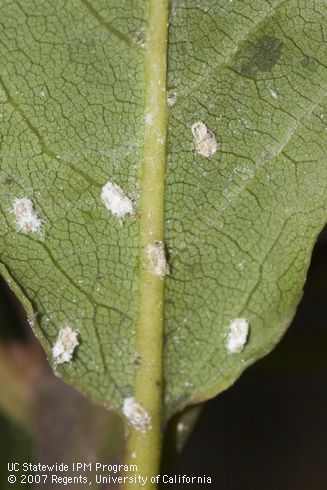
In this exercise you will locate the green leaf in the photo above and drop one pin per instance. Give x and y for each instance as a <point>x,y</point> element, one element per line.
<point>241,225</point>
<point>238,199</point>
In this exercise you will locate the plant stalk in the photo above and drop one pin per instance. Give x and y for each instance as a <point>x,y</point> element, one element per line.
<point>144,448</point>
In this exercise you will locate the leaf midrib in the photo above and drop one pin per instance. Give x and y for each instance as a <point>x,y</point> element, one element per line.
<point>147,389</point>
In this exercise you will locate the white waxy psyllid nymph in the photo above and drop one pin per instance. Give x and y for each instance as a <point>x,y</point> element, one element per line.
<point>205,140</point>
<point>64,347</point>
<point>115,200</point>
<point>237,335</point>
<point>157,262</point>
<point>26,217</point>
<point>136,415</point>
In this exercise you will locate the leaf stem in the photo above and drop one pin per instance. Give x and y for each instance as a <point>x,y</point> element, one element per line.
<point>144,448</point>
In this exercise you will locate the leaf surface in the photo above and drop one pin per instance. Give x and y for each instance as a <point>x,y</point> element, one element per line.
<point>240,223</point>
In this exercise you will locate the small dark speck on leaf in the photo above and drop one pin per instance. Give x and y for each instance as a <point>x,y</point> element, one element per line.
<point>8,181</point>
<point>308,62</point>
<point>266,156</point>
<point>137,360</point>
<point>139,37</point>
